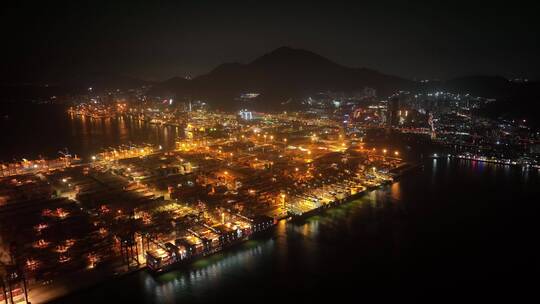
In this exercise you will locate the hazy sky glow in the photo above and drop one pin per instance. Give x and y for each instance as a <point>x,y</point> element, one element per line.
<point>172,38</point>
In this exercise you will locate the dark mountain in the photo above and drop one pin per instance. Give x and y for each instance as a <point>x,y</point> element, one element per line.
<point>280,75</point>
<point>285,58</point>
<point>288,73</point>
<point>171,86</point>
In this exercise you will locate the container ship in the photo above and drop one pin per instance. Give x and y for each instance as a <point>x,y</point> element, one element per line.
<point>202,240</point>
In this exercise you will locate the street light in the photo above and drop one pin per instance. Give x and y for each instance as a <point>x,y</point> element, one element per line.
<point>396,153</point>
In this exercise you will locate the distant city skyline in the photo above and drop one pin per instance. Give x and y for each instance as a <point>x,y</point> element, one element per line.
<point>157,42</point>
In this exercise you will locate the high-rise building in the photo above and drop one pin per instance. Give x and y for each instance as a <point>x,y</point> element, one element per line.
<point>393,112</point>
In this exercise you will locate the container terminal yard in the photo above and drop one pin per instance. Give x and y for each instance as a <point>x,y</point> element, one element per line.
<point>137,207</point>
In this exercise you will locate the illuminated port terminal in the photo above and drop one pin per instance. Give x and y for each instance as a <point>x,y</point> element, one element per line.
<point>226,181</point>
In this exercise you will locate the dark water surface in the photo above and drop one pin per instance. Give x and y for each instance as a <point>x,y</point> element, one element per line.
<point>454,230</point>
<point>29,130</point>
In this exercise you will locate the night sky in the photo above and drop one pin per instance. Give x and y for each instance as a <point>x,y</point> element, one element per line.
<point>157,40</point>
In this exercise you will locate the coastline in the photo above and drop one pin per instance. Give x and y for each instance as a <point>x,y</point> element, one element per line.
<point>495,161</point>
<point>397,173</point>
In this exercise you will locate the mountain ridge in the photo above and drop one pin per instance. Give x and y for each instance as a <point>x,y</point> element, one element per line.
<point>282,74</point>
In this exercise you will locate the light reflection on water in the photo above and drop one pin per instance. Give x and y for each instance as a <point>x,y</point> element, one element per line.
<point>51,129</point>
<point>206,273</point>
<point>395,191</point>
<point>94,134</point>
